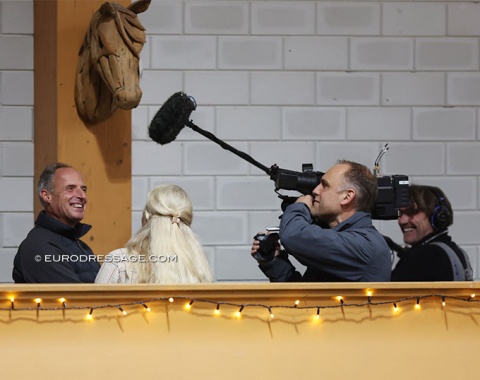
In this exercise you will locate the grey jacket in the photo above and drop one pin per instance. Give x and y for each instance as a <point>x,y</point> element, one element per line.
<point>352,251</point>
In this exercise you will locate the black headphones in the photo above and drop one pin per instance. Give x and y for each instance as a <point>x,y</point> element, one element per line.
<point>441,215</point>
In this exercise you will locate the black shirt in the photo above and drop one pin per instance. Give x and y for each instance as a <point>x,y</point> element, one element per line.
<point>427,262</point>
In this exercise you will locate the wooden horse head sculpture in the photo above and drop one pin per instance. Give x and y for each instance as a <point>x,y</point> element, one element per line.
<point>108,66</point>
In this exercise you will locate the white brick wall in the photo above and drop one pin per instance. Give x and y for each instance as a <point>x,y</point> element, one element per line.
<point>339,18</point>
<point>316,53</point>
<point>451,54</point>
<point>20,54</point>
<point>16,129</point>
<point>412,89</point>
<point>313,123</point>
<point>351,88</point>
<point>414,19</point>
<point>287,82</point>
<point>386,54</point>
<point>183,52</point>
<point>283,17</point>
<point>436,124</point>
<point>216,18</point>
<point>462,19</point>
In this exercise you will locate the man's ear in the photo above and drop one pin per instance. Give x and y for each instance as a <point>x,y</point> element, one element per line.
<point>348,197</point>
<point>45,195</point>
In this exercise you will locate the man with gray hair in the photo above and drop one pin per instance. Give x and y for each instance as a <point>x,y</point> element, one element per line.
<point>52,252</point>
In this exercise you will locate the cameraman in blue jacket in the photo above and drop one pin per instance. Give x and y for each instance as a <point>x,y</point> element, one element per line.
<point>331,232</point>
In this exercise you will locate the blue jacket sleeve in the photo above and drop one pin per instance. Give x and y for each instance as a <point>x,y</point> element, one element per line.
<point>281,269</point>
<point>343,252</point>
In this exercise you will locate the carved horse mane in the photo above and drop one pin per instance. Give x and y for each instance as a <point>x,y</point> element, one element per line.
<point>108,66</point>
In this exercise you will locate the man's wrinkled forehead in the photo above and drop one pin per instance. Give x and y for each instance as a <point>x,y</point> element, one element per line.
<point>68,176</point>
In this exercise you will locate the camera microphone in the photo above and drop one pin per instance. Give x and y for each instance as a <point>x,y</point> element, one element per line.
<point>171,118</point>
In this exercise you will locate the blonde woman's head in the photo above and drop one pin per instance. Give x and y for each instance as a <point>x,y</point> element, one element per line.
<point>168,201</point>
<point>166,234</point>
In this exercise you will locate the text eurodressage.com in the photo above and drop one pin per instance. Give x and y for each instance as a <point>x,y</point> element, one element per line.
<point>106,258</point>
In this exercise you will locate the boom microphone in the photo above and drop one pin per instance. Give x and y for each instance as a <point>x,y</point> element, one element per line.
<point>171,118</point>
<point>174,115</point>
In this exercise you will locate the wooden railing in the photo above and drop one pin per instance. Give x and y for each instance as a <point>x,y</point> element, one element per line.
<point>241,331</point>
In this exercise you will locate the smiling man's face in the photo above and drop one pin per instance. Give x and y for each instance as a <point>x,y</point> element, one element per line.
<point>414,224</point>
<point>69,197</point>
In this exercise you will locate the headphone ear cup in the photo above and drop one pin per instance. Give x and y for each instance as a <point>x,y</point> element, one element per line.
<point>440,216</point>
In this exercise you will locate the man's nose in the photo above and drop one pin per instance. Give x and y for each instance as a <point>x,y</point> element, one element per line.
<point>79,192</point>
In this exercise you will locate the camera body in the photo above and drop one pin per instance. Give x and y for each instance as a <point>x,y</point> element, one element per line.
<point>392,190</point>
<point>392,195</point>
<point>268,242</point>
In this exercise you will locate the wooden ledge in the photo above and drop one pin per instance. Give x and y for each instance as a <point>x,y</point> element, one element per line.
<point>245,291</point>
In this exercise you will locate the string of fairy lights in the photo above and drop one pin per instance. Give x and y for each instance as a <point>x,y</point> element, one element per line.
<point>189,303</point>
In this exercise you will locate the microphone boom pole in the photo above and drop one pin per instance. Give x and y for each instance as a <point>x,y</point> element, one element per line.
<point>228,147</point>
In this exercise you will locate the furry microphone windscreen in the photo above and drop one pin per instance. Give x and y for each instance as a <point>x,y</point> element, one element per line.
<point>171,118</point>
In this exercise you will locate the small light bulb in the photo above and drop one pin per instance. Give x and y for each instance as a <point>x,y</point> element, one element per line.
<point>395,307</point>
<point>89,316</point>
<point>297,303</point>
<point>63,301</point>
<point>369,296</point>
<point>188,306</point>
<point>123,311</point>
<point>170,299</point>
<point>271,313</point>
<point>417,305</point>
<point>443,301</point>
<point>146,307</point>
<point>318,313</point>
<point>217,310</point>
<point>38,301</point>
<point>238,313</point>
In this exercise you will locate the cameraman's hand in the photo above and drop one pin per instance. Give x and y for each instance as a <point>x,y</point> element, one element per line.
<point>256,246</point>
<point>307,200</point>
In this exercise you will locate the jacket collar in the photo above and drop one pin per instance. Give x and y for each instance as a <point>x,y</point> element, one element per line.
<point>46,221</point>
<point>434,235</point>
<point>360,219</point>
